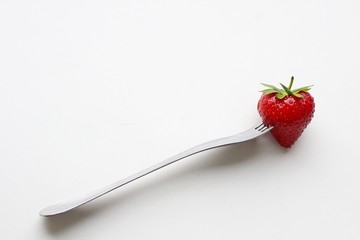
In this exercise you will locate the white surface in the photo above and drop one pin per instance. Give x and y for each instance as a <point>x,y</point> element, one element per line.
<point>92,91</point>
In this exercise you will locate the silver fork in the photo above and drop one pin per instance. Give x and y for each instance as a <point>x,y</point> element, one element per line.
<point>68,205</point>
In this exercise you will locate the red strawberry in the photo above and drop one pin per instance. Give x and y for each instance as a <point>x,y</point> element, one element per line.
<point>288,111</point>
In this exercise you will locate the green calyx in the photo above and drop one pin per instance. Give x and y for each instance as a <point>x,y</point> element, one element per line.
<point>285,91</point>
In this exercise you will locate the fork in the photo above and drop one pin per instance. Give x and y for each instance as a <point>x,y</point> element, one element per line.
<point>68,205</point>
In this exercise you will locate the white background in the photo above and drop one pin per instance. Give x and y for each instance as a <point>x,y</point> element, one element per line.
<point>93,91</point>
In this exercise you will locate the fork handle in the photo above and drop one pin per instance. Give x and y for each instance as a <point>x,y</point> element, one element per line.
<point>76,202</point>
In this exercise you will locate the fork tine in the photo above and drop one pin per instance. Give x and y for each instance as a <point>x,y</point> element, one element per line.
<point>262,127</point>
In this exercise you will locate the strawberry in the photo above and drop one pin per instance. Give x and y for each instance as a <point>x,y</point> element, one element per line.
<point>288,111</point>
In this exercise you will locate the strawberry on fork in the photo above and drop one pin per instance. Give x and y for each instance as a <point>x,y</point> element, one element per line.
<point>288,111</point>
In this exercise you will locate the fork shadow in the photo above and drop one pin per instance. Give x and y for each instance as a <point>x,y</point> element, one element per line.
<point>217,160</point>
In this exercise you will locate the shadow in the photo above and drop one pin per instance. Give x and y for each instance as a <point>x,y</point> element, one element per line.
<point>229,156</point>
<point>218,159</point>
<point>58,223</point>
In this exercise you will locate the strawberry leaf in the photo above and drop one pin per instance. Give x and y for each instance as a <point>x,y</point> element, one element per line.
<point>280,95</point>
<point>297,95</point>
<point>305,89</point>
<point>271,86</point>
<point>287,90</point>
<point>268,91</point>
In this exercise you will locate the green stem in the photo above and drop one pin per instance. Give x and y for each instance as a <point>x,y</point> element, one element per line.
<point>291,82</point>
